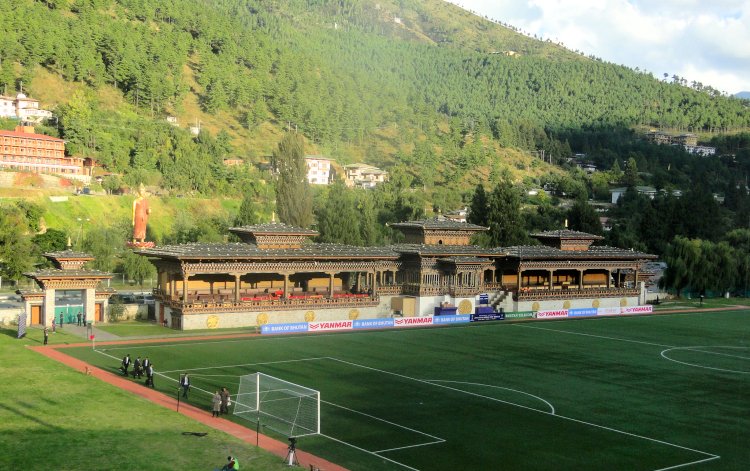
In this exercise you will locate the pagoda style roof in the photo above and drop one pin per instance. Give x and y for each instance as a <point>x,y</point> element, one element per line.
<point>445,250</point>
<point>439,224</point>
<point>241,251</point>
<point>464,260</point>
<point>68,259</point>
<point>543,252</point>
<point>274,235</point>
<point>566,234</point>
<point>273,228</point>
<point>59,273</point>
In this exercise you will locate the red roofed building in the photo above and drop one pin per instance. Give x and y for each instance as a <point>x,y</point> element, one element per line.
<point>23,150</point>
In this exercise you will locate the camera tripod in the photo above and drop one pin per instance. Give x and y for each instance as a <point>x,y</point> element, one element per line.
<point>291,455</point>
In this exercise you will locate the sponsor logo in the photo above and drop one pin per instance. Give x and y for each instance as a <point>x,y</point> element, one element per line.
<point>373,323</point>
<point>412,321</point>
<point>637,309</point>
<point>334,325</point>
<point>519,315</point>
<point>283,328</point>
<point>487,317</point>
<point>607,311</point>
<point>457,319</point>
<point>586,312</point>
<point>549,314</point>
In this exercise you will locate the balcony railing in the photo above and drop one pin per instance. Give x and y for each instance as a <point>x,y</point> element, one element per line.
<point>269,304</point>
<point>530,294</point>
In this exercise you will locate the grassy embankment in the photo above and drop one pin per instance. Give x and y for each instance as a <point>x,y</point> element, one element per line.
<point>52,417</point>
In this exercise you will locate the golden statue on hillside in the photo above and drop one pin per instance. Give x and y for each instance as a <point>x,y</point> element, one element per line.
<point>140,218</point>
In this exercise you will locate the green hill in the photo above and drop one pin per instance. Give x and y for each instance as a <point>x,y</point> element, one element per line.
<point>419,83</point>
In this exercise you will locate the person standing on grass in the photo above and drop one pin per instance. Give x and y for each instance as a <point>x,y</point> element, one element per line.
<point>125,364</point>
<point>215,404</point>
<point>137,371</point>
<point>224,400</point>
<point>145,363</point>
<point>62,319</point>
<point>150,375</point>
<point>46,335</point>
<point>53,325</point>
<point>185,383</point>
<point>79,318</point>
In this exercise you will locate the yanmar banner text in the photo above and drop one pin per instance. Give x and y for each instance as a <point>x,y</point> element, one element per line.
<point>331,325</point>
<point>412,321</point>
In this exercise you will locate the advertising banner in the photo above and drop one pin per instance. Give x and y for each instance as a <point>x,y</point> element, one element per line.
<point>494,316</point>
<point>608,311</point>
<point>373,323</point>
<point>412,321</point>
<point>457,319</point>
<point>520,315</point>
<point>551,314</point>
<point>283,328</point>
<point>585,312</point>
<point>637,309</point>
<point>329,325</point>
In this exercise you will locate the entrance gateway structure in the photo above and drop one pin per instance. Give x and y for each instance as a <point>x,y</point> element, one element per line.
<point>67,290</point>
<point>276,275</point>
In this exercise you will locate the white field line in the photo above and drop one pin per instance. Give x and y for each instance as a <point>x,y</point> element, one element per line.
<point>711,458</point>
<point>594,335</point>
<point>696,349</point>
<point>368,452</point>
<point>552,408</point>
<point>190,370</point>
<point>435,439</point>
<point>532,409</point>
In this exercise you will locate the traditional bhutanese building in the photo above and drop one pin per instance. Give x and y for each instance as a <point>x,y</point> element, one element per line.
<point>277,275</point>
<point>67,290</point>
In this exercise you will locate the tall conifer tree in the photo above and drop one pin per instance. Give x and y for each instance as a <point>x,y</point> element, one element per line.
<point>293,194</point>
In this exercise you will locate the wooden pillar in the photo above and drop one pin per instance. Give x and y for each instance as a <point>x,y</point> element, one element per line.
<point>580,279</point>
<point>549,282</point>
<point>286,286</point>
<point>172,287</point>
<point>330,285</point>
<point>237,287</point>
<point>609,275</point>
<point>374,284</point>
<point>185,278</point>
<point>518,280</point>
<point>211,287</point>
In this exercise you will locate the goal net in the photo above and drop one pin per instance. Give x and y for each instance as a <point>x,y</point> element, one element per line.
<point>287,408</point>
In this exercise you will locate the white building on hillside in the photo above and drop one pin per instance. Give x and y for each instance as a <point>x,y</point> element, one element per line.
<point>319,171</point>
<point>364,175</point>
<point>23,108</point>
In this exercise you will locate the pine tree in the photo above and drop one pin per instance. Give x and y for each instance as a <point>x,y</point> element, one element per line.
<point>478,208</point>
<point>293,194</point>
<point>504,216</point>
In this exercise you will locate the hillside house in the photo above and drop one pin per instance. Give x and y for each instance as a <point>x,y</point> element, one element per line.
<point>22,108</point>
<point>319,171</point>
<point>364,175</point>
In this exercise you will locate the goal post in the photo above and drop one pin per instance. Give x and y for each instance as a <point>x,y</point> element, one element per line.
<point>287,408</point>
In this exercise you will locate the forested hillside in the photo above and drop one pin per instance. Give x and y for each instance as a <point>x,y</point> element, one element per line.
<point>418,83</point>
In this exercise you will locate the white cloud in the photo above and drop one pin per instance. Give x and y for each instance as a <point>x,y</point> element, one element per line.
<point>698,40</point>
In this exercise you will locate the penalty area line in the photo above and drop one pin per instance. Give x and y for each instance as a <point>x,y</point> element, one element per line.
<point>374,453</point>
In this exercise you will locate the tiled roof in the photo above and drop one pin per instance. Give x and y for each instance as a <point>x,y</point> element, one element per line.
<point>30,135</point>
<point>274,228</point>
<point>459,260</point>
<point>69,255</point>
<point>251,251</point>
<point>446,250</point>
<point>57,273</point>
<point>541,252</point>
<point>567,234</point>
<point>439,224</point>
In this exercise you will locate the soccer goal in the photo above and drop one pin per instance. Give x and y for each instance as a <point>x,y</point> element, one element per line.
<point>287,408</point>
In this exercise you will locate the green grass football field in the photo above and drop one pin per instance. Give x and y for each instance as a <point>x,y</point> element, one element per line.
<point>652,393</point>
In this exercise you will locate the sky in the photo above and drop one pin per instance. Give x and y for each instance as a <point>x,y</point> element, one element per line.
<point>706,41</point>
